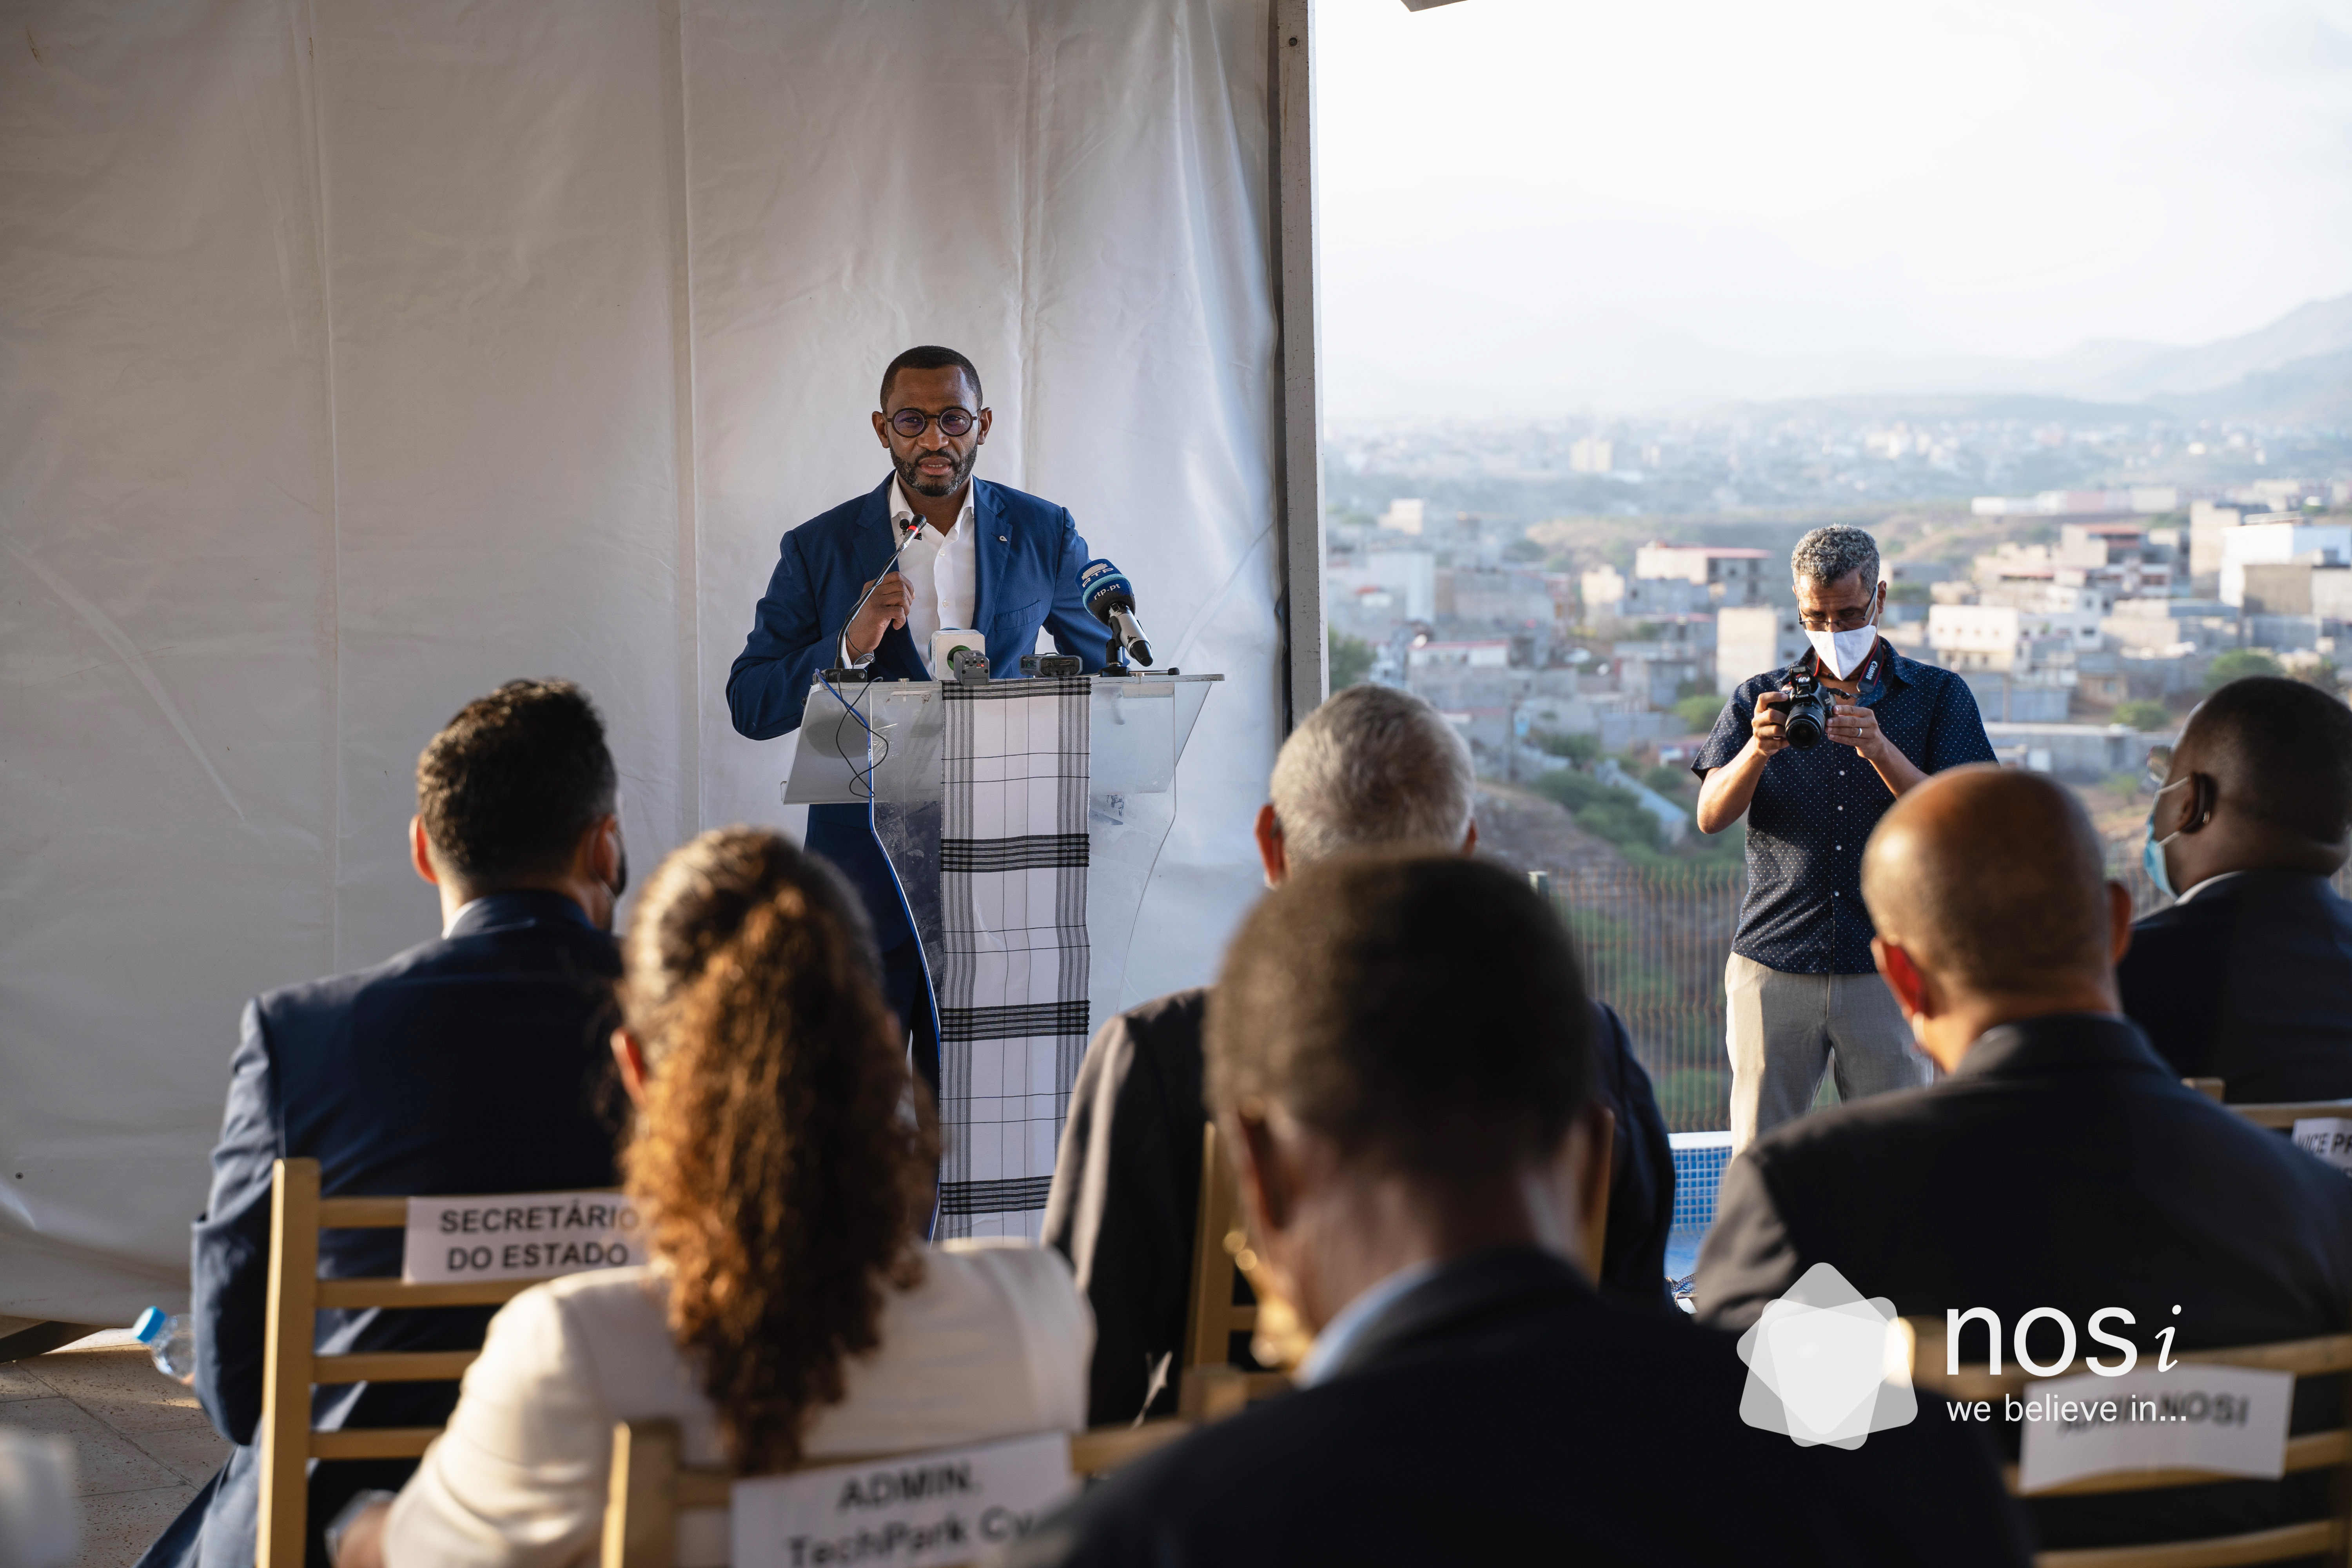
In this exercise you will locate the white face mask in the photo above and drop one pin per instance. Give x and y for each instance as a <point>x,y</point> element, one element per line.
<point>1841,653</point>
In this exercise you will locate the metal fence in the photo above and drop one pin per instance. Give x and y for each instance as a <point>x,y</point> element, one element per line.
<point>1654,941</point>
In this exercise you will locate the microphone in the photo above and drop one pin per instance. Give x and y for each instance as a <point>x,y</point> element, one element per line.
<point>1110,597</point>
<point>910,527</point>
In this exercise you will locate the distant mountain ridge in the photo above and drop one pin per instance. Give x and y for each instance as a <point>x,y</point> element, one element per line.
<point>2295,371</point>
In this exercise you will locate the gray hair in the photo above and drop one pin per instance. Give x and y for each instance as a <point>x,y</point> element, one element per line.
<point>1372,765</point>
<point>1829,553</point>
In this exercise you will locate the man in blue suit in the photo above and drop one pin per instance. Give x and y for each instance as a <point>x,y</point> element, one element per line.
<point>985,558</point>
<point>471,1064</point>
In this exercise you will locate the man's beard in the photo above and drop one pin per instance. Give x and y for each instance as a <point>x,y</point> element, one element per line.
<point>912,478</point>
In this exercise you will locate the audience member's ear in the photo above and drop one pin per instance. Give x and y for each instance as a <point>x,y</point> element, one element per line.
<point>420,851</point>
<point>1470,839</point>
<point>1903,977</point>
<point>629,1056</point>
<point>1581,1177</point>
<point>1267,1189</point>
<point>2119,920</point>
<point>1269,846</point>
<point>605,855</point>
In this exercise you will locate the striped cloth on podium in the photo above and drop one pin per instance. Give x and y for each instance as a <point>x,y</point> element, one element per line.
<point>1013,983</point>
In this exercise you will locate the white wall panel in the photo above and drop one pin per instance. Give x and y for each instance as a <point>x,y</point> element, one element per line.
<point>357,356</point>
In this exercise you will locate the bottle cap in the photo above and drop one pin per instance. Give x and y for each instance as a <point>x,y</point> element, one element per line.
<point>150,1326</point>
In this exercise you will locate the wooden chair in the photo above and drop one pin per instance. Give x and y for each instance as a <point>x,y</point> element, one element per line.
<point>2210,1088</point>
<point>1220,1252</point>
<point>290,1364</point>
<point>2331,1450</point>
<point>650,1486</point>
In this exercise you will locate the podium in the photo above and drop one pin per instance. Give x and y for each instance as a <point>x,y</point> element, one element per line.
<point>1022,819</point>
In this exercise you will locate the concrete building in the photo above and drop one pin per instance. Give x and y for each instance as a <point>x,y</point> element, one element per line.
<point>2298,588</point>
<point>1730,576</point>
<point>1750,639</point>
<point>1405,516</point>
<point>1608,593</point>
<point>1477,653</point>
<point>1655,673</point>
<point>2081,753</point>
<point>1590,455</point>
<point>1407,577</point>
<point>2279,544</point>
<point>1504,594</point>
<point>2090,567</point>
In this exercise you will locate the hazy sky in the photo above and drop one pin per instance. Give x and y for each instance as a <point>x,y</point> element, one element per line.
<point>1823,176</point>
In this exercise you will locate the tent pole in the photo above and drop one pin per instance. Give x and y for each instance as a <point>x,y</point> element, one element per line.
<point>1305,669</point>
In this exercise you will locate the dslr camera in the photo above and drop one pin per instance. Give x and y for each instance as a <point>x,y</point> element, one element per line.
<point>1805,717</point>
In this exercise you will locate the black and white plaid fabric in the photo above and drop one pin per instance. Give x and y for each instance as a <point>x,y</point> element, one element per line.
<point>1011,984</point>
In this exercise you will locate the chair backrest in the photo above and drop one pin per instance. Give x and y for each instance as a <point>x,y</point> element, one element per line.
<point>651,1485</point>
<point>1221,1242</point>
<point>2284,1114</point>
<point>290,1363</point>
<point>2210,1088</point>
<point>2332,1450</point>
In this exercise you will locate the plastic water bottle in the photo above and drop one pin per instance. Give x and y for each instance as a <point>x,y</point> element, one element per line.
<point>171,1340</point>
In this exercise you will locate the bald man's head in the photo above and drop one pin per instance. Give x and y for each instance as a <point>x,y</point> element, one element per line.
<point>1993,882</point>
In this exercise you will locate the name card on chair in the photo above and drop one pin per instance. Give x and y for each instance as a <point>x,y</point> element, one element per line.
<point>526,1235</point>
<point>921,1510</point>
<point>2329,1137</point>
<point>2227,1420</point>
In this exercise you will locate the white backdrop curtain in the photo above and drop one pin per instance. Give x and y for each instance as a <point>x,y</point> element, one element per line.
<point>356,355</point>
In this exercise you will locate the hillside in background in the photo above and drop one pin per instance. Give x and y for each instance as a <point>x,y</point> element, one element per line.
<point>2295,371</point>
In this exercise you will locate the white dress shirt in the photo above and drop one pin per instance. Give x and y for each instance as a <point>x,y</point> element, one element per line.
<point>995,1343</point>
<point>942,577</point>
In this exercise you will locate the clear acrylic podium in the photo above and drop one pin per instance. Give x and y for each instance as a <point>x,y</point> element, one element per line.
<point>1022,819</point>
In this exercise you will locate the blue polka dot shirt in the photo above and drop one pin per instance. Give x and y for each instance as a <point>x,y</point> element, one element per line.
<point>1813,809</point>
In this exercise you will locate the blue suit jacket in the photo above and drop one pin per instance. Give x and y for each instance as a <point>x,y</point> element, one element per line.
<point>1027,552</point>
<point>471,1064</point>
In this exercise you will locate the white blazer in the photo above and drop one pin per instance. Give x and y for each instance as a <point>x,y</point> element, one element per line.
<point>994,1342</point>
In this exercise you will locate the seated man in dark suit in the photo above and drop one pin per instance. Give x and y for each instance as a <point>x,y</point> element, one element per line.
<point>1400,1058</point>
<point>2061,1164</point>
<point>2249,977</point>
<point>470,1064</point>
<point>1371,766</point>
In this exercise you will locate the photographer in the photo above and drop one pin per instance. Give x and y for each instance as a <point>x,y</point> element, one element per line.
<point>1801,990</point>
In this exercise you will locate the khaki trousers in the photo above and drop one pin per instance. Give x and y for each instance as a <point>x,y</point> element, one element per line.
<point>1783,1031</point>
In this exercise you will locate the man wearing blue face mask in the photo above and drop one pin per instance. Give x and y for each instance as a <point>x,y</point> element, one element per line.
<point>2244,978</point>
<point>1803,997</point>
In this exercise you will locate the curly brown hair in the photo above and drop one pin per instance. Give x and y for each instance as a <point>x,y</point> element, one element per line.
<point>774,1149</point>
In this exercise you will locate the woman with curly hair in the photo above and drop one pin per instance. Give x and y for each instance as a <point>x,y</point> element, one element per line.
<point>790,1312</point>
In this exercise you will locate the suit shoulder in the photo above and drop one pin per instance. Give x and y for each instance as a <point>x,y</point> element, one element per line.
<point>829,522</point>
<point>312,998</point>
<point>1164,1029</point>
<point>1021,504</point>
<point>1856,1130</point>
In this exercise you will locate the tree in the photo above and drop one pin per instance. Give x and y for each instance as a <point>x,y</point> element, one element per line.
<point>2143,715</point>
<point>1575,748</point>
<point>1698,714</point>
<point>1351,659</point>
<point>2237,664</point>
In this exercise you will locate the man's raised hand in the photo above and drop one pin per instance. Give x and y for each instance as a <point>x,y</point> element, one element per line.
<point>885,609</point>
<point>1764,729</point>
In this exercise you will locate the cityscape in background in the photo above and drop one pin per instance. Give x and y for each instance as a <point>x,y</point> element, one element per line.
<point>1580,596</point>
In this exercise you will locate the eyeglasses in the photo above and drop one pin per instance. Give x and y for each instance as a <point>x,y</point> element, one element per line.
<point>912,422</point>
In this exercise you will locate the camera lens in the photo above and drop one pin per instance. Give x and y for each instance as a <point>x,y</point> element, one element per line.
<point>1803,730</point>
